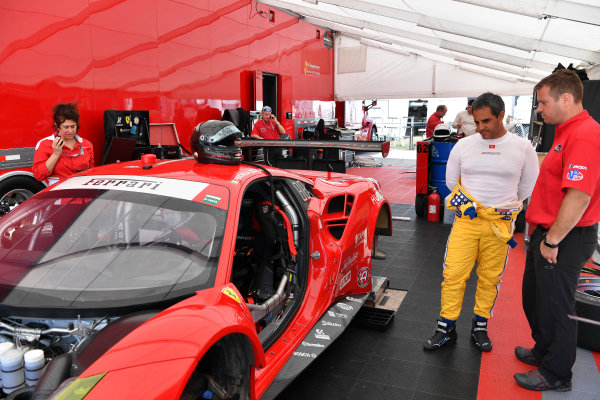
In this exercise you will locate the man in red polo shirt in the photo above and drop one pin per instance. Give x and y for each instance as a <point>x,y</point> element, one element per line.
<point>565,210</point>
<point>268,128</point>
<point>435,120</point>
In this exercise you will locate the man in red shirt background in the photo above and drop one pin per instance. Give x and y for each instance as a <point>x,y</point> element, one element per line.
<point>565,210</point>
<point>435,119</point>
<point>267,127</point>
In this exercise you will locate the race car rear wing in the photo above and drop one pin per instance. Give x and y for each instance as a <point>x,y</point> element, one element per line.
<point>383,147</point>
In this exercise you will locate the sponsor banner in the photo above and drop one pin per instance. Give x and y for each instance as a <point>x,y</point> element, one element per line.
<point>345,279</point>
<point>150,185</point>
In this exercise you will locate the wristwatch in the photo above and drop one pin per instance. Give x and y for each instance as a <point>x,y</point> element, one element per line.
<point>552,246</point>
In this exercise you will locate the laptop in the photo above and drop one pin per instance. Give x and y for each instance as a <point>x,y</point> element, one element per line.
<point>120,149</point>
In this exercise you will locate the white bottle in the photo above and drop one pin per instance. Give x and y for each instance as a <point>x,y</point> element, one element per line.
<point>3,347</point>
<point>34,366</point>
<point>13,376</point>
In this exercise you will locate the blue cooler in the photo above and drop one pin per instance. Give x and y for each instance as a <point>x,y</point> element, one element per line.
<point>440,151</point>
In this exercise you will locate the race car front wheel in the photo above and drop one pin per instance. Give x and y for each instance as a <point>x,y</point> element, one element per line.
<point>587,305</point>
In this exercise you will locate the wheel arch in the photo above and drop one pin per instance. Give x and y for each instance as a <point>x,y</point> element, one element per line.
<point>383,223</point>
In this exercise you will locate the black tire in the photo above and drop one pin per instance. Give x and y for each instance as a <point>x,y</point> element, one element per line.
<point>421,205</point>
<point>587,305</point>
<point>17,189</point>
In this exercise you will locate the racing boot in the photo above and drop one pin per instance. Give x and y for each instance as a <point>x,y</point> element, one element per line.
<point>479,335</point>
<point>444,333</point>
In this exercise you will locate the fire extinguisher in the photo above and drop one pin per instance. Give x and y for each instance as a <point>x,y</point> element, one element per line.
<point>433,209</point>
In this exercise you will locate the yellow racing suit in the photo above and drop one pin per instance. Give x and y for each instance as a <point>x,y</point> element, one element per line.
<point>478,234</point>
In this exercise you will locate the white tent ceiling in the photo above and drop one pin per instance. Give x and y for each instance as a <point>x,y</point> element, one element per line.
<point>451,48</point>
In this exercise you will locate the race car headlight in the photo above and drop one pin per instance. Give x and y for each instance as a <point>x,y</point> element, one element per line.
<point>77,389</point>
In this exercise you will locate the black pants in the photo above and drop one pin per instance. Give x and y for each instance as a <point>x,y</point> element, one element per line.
<point>549,297</point>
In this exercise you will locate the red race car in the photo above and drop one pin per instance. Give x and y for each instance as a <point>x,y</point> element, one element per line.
<point>183,279</point>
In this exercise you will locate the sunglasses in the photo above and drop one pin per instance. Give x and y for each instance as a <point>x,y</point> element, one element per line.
<point>267,109</point>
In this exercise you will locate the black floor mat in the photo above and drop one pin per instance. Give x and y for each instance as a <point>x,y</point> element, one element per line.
<point>370,364</point>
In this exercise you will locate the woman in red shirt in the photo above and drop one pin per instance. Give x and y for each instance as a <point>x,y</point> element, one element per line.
<point>64,153</point>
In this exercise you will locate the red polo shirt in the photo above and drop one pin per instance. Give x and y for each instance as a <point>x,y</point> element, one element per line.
<point>572,162</point>
<point>432,122</point>
<point>69,162</point>
<point>265,130</point>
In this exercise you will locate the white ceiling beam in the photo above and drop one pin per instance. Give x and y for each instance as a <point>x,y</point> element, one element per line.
<point>506,39</point>
<point>328,20</point>
<point>569,10</point>
<point>496,56</point>
<point>381,42</point>
<point>376,9</point>
<point>447,26</point>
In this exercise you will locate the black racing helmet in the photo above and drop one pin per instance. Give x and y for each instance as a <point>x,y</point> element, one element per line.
<point>214,142</point>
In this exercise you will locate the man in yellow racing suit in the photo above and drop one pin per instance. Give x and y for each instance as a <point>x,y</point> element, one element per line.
<point>491,173</point>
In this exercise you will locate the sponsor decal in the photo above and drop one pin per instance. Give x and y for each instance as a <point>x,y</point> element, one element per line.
<point>490,153</point>
<point>354,299</point>
<point>350,261</point>
<point>574,175</point>
<point>329,323</point>
<point>580,167</point>
<point>344,306</point>
<point>492,146</point>
<point>361,237</point>
<point>376,197</point>
<point>210,199</point>
<point>307,344</point>
<point>320,334</point>
<point>434,152</point>
<point>231,294</point>
<point>364,277</point>
<point>337,315</point>
<point>345,279</point>
<point>311,69</point>
<point>150,185</point>
<point>558,147</point>
<point>305,355</point>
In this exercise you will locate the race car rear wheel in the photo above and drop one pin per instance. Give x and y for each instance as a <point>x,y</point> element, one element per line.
<point>587,305</point>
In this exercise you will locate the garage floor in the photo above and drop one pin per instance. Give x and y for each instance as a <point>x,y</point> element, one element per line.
<point>369,364</point>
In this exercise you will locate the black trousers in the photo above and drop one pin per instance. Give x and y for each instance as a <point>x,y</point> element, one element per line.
<point>549,297</point>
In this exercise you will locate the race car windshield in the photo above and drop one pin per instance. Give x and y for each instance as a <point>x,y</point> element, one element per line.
<point>97,249</point>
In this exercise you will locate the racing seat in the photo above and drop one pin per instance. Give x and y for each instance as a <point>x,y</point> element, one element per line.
<point>274,249</point>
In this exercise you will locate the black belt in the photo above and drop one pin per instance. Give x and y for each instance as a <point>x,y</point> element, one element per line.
<point>541,229</point>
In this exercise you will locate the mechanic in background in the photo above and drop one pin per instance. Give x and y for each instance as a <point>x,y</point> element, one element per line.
<point>268,128</point>
<point>491,173</point>
<point>435,119</point>
<point>464,121</point>
<point>64,153</point>
<point>565,210</point>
